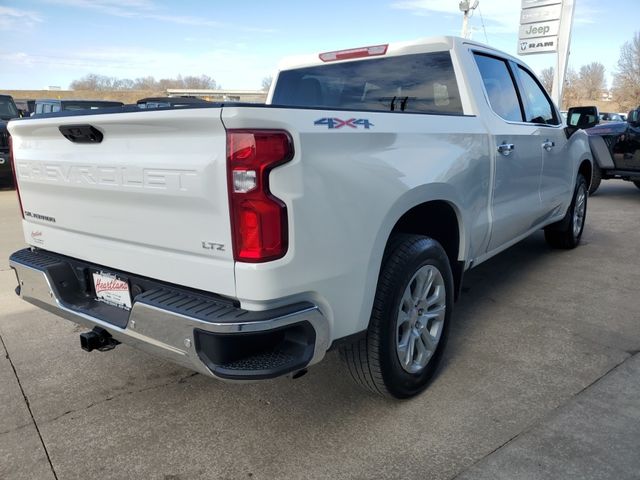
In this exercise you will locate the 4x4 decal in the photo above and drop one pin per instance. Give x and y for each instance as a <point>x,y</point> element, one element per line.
<point>335,123</point>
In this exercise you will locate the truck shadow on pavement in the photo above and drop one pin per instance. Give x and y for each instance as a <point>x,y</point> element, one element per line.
<point>514,354</point>
<point>617,190</point>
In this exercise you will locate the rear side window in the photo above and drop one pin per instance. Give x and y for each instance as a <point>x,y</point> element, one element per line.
<point>500,87</point>
<point>419,83</point>
<point>537,106</point>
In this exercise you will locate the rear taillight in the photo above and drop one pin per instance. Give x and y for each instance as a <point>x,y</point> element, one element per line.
<point>14,170</point>
<point>258,219</point>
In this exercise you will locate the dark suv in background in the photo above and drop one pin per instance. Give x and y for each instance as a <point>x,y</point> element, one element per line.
<point>8,110</point>
<point>26,106</point>
<point>166,102</point>
<point>615,145</point>
<point>52,106</point>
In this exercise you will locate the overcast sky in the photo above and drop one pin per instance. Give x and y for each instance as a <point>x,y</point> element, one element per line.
<point>52,42</point>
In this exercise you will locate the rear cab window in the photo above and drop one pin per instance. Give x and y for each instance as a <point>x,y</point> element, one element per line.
<point>416,83</point>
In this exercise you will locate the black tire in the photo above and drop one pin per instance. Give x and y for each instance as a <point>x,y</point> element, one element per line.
<point>562,234</point>
<point>637,183</point>
<point>373,361</point>
<point>596,179</point>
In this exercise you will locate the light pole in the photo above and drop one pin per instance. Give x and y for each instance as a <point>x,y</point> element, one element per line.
<point>465,7</point>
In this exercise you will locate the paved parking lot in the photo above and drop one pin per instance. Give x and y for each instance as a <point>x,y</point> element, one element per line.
<point>541,380</point>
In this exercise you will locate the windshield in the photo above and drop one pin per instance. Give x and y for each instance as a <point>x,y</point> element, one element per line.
<point>7,108</point>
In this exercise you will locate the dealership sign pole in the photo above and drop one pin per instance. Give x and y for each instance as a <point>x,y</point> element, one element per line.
<point>545,27</point>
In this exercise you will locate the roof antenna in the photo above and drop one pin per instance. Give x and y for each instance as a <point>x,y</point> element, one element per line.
<point>467,6</point>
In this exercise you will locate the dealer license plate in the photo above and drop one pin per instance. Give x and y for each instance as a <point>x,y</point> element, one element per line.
<point>112,290</point>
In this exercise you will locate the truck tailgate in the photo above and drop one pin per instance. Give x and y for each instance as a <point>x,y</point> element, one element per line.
<point>150,198</point>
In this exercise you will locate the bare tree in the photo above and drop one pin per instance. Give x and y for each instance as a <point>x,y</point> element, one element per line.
<point>546,77</point>
<point>96,82</point>
<point>571,92</point>
<point>144,83</point>
<point>124,84</point>
<point>626,84</point>
<point>266,83</point>
<point>203,81</point>
<point>592,81</point>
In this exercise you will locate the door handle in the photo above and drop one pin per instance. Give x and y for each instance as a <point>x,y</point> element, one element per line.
<point>548,145</point>
<point>506,148</point>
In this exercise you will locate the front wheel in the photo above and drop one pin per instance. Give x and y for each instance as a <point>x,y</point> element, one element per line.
<point>567,232</point>
<point>409,323</point>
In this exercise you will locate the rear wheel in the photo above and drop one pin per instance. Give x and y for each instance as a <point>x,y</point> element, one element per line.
<point>596,179</point>
<point>637,183</point>
<point>567,232</point>
<point>409,324</point>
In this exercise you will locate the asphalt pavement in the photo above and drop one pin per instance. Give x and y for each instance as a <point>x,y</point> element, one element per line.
<point>541,380</point>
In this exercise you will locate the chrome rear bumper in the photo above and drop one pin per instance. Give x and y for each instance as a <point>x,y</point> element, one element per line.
<point>185,333</point>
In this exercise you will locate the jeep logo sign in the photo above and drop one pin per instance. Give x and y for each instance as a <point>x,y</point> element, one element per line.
<point>542,29</point>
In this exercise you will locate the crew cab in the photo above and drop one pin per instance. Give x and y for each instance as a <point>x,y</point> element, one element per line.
<point>244,241</point>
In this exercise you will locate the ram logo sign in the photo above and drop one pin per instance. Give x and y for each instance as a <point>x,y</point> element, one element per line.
<point>541,45</point>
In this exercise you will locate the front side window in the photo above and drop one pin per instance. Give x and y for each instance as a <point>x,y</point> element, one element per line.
<point>500,87</point>
<point>537,106</point>
<point>418,83</point>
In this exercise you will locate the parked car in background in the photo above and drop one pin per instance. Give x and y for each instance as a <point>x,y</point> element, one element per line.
<point>166,102</point>
<point>610,117</point>
<point>615,145</point>
<point>55,105</point>
<point>8,111</point>
<point>25,106</point>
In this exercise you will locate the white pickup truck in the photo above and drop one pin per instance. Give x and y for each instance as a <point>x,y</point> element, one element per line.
<point>245,241</point>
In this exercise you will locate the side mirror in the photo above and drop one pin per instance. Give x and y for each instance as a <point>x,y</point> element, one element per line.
<point>633,118</point>
<point>583,117</point>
